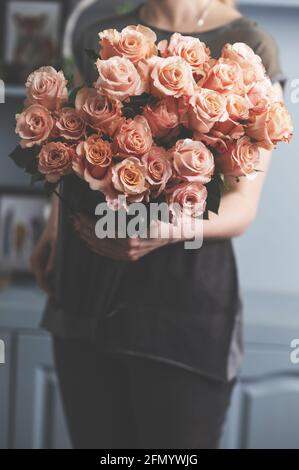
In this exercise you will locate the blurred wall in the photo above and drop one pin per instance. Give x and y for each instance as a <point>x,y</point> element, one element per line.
<point>268,253</point>
<point>9,173</point>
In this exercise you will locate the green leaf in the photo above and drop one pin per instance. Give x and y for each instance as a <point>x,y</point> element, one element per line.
<point>36,178</point>
<point>135,104</point>
<point>32,166</point>
<point>91,53</point>
<point>214,195</point>
<point>129,112</point>
<point>69,71</point>
<point>224,181</point>
<point>25,158</point>
<point>19,156</point>
<point>50,188</point>
<point>126,7</point>
<point>73,95</point>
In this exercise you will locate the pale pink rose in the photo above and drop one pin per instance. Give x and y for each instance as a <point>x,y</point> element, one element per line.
<point>133,138</point>
<point>207,66</point>
<point>159,169</point>
<point>47,87</point>
<point>272,126</point>
<point>191,49</point>
<point>163,117</point>
<point>129,179</point>
<point>240,159</point>
<point>93,162</point>
<point>221,135</point>
<point>192,161</point>
<point>99,111</point>
<point>34,125</point>
<point>144,69</point>
<point>69,124</point>
<point>55,160</point>
<point>225,77</point>
<point>260,95</point>
<point>250,63</point>
<point>171,77</point>
<point>119,78</point>
<point>188,199</point>
<point>133,42</point>
<point>214,139</point>
<point>229,129</point>
<point>238,107</point>
<point>202,110</point>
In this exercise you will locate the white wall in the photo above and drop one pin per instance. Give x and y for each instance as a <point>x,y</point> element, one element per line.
<point>268,253</point>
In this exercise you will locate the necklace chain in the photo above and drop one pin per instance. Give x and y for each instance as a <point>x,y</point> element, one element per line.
<point>204,13</point>
<point>202,18</point>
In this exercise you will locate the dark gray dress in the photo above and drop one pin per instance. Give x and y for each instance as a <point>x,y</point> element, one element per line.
<point>174,305</point>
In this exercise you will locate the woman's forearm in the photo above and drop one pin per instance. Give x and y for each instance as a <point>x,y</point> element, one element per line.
<point>235,216</point>
<point>52,224</point>
<point>239,204</point>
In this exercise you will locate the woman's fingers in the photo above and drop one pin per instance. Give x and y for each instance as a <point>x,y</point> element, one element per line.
<point>130,249</point>
<point>104,247</point>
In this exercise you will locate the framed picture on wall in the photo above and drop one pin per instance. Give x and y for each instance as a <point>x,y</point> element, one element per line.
<point>23,215</point>
<point>31,36</point>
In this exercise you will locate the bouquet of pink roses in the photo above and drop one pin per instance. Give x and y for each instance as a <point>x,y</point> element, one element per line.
<point>162,121</point>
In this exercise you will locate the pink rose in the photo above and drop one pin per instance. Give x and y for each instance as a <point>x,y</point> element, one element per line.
<point>260,95</point>
<point>133,42</point>
<point>238,107</point>
<point>129,179</point>
<point>93,161</point>
<point>158,168</point>
<point>225,77</point>
<point>171,77</point>
<point>99,111</point>
<point>119,78</point>
<point>221,135</point>
<point>188,199</point>
<point>133,138</point>
<point>192,161</point>
<point>250,63</point>
<point>69,124</point>
<point>47,87</point>
<point>163,117</point>
<point>55,160</point>
<point>272,126</point>
<point>202,110</point>
<point>34,125</point>
<point>241,158</point>
<point>191,49</point>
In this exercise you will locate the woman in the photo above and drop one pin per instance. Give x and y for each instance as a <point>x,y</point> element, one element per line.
<point>147,334</point>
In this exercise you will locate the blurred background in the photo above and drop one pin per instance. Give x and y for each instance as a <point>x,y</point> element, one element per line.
<point>265,408</point>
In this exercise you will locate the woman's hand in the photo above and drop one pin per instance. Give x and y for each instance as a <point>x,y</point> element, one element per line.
<point>126,249</point>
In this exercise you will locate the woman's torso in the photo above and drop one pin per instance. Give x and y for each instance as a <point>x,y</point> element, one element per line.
<point>176,304</point>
